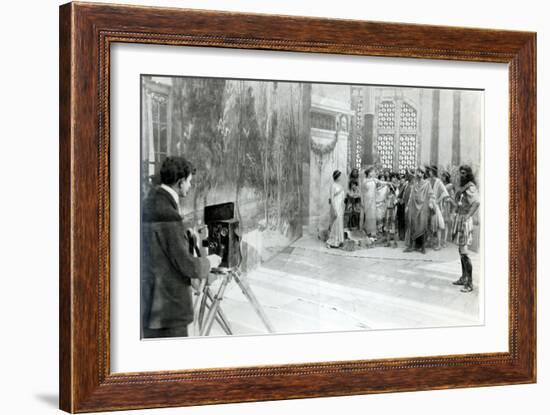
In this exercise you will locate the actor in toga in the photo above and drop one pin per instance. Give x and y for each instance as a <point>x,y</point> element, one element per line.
<point>421,204</point>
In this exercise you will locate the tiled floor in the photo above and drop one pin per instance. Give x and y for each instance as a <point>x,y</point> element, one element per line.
<point>311,288</point>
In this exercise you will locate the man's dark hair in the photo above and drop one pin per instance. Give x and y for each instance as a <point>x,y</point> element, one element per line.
<point>446,177</point>
<point>433,169</point>
<point>174,169</point>
<point>424,171</point>
<point>469,177</point>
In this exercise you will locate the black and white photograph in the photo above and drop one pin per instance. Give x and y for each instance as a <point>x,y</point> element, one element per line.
<point>275,206</point>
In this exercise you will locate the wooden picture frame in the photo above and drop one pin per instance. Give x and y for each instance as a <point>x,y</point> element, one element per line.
<point>86,33</point>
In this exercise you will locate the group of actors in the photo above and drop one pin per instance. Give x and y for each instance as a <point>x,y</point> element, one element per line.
<point>421,207</point>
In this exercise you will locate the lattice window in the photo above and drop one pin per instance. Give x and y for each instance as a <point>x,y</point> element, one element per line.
<point>359,135</point>
<point>385,150</point>
<point>408,117</point>
<point>407,152</point>
<point>386,115</point>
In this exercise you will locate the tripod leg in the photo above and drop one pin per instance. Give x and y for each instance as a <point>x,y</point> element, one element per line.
<point>247,291</point>
<point>205,331</point>
<point>202,308</point>
<point>222,324</point>
<point>196,306</point>
<point>220,316</point>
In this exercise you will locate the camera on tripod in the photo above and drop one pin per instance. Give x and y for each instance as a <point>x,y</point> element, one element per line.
<point>223,234</point>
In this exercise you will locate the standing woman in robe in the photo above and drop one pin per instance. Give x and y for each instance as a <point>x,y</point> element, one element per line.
<point>441,195</point>
<point>337,199</point>
<point>368,201</point>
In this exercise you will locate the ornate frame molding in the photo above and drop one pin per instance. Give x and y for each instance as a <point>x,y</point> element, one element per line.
<point>86,33</point>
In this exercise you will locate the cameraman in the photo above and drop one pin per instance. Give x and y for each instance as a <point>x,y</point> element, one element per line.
<point>168,263</point>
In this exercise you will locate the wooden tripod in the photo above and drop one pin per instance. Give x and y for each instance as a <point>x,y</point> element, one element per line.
<point>207,307</point>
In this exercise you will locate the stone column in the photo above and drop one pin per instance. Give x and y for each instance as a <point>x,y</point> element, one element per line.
<point>456,128</point>
<point>445,135</point>
<point>368,126</point>
<point>434,139</point>
<point>342,144</point>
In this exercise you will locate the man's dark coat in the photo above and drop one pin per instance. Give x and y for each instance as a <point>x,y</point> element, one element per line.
<point>167,264</point>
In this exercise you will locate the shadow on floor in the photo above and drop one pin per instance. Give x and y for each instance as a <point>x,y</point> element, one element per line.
<point>49,399</point>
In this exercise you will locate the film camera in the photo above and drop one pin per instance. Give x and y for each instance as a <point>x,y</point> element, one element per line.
<point>223,234</point>
<point>223,240</point>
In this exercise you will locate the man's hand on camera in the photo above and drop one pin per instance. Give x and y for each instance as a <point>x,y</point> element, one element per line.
<point>194,234</point>
<point>202,231</point>
<point>215,260</point>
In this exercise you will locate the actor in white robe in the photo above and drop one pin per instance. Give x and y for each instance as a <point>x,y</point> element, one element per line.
<point>337,204</point>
